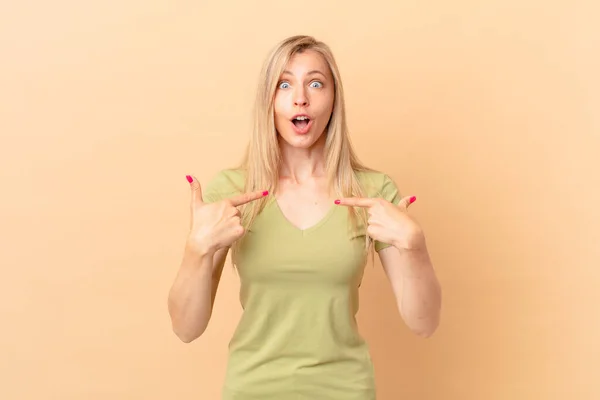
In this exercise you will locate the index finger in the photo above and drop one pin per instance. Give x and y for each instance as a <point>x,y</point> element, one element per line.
<point>247,197</point>
<point>356,202</point>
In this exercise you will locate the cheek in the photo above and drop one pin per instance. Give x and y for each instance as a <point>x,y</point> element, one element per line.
<point>326,106</point>
<point>280,111</point>
<point>277,103</point>
<point>281,101</point>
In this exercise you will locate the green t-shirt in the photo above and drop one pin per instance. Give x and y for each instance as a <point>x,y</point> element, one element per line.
<point>298,337</point>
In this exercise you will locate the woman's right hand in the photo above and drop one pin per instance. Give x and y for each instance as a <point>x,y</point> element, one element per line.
<point>216,225</point>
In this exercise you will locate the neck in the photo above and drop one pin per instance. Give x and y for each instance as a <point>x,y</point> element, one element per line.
<point>299,164</point>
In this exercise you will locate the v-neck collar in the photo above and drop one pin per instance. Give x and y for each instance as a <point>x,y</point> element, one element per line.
<point>309,229</point>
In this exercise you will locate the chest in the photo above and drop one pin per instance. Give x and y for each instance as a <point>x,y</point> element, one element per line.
<point>305,205</point>
<point>327,253</point>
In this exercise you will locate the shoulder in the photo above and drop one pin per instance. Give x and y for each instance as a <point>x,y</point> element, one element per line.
<point>225,183</point>
<point>378,184</point>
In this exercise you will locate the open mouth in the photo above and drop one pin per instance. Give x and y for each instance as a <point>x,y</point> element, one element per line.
<point>301,122</point>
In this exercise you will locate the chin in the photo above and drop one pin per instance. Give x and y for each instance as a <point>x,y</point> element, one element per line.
<point>305,141</point>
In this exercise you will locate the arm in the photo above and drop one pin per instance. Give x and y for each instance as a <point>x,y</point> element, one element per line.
<point>402,249</point>
<point>215,226</point>
<point>415,286</point>
<point>192,295</point>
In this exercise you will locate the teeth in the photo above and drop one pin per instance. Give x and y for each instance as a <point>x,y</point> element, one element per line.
<point>301,118</point>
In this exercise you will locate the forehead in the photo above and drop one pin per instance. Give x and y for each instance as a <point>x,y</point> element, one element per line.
<point>307,61</point>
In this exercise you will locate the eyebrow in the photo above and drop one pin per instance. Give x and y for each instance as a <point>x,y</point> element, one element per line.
<point>312,72</point>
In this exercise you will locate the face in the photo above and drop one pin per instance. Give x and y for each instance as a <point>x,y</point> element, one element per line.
<point>304,99</point>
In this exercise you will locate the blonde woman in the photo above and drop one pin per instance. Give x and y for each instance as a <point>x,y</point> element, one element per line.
<point>301,215</point>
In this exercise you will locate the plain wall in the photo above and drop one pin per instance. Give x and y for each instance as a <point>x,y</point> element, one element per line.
<point>488,112</point>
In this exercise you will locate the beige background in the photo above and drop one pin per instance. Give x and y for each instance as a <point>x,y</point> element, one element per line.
<point>488,111</point>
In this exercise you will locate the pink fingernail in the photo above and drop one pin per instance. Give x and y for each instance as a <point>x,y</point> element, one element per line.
<point>337,202</point>
<point>266,192</point>
<point>189,178</point>
<point>412,199</point>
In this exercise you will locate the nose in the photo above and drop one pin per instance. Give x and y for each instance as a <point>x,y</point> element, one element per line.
<point>300,98</point>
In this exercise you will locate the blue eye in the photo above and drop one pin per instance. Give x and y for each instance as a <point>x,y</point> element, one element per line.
<point>318,84</point>
<point>284,85</point>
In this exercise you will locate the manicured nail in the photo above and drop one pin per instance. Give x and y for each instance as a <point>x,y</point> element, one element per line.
<point>337,202</point>
<point>266,192</point>
<point>412,199</point>
<point>189,178</point>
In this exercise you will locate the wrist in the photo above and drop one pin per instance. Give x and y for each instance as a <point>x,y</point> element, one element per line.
<point>196,250</point>
<point>196,260</point>
<point>413,243</point>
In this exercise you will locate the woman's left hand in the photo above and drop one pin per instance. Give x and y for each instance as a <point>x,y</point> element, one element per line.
<point>389,223</point>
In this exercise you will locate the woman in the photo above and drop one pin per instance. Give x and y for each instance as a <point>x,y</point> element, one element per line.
<point>300,216</point>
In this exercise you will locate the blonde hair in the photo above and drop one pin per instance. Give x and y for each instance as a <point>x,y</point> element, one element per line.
<point>263,157</point>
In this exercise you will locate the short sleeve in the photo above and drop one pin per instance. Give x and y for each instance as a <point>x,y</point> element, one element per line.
<point>225,184</point>
<point>388,191</point>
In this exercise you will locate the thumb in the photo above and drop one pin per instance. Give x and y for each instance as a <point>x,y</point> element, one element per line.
<point>407,201</point>
<point>196,189</point>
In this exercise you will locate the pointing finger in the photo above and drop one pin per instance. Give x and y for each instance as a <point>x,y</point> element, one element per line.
<point>247,197</point>
<point>356,202</point>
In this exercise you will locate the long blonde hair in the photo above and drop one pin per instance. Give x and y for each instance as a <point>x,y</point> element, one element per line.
<point>263,157</point>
